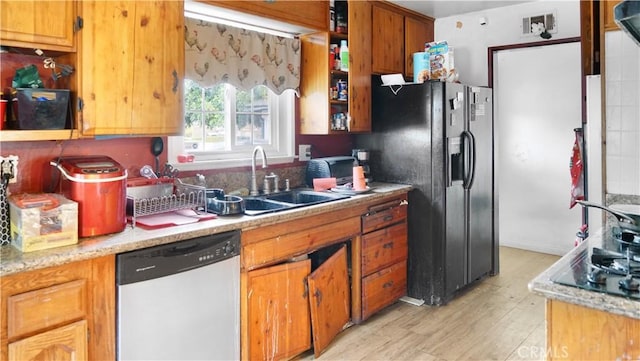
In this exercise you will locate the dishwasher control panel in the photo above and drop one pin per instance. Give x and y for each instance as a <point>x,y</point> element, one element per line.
<point>167,259</point>
<point>224,251</point>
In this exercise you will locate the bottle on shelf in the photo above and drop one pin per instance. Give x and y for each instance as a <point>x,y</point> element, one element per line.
<point>336,63</point>
<point>344,56</point>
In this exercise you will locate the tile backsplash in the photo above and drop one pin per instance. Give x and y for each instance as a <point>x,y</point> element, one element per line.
<point>622,88</point>
<point>239,181</point>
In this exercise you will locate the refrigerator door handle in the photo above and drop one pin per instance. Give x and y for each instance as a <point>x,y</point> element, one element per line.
<point>470,150</point>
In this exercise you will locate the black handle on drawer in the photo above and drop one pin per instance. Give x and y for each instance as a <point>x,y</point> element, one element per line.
<point>387,284</point>
<point>388,245</point>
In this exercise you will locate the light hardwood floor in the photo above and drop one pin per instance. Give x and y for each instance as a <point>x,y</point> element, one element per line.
<point>498,319</point>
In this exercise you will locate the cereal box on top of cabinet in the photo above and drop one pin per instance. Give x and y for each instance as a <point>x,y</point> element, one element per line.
<point>41,221</point>
<point>441,61</point>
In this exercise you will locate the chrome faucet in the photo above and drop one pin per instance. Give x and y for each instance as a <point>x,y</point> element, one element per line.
<point>254,182</point>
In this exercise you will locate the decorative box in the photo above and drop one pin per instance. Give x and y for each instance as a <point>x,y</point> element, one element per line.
<point>42,221</point>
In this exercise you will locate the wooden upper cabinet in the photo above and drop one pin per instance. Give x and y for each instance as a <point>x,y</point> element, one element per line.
<point>316,105</point>
<point>417,32</point>
<point>387,44</point>
<point>131,67</point>
<point>607,11</point>
<point>360,66</point>
<point>47,25</point>
<point>309,14</point>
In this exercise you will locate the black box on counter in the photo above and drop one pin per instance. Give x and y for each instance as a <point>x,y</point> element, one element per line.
<point>41,109</point>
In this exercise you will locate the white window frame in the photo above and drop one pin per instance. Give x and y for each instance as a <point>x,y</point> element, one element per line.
<point>281,149</point>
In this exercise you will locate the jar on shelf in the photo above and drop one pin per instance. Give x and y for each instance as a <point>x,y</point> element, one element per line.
<point>341,22</point>
<point>342,90</point>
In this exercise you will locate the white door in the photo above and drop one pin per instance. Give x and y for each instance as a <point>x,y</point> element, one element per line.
<point>537,93</point>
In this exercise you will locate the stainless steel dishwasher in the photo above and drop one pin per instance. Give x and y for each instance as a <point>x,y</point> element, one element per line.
<point>180,301</point>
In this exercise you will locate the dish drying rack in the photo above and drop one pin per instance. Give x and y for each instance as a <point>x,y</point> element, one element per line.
<point>184,196</point>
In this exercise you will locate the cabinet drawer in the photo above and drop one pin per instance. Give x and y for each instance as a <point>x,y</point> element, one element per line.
<point>35,310</point>
<point>287,245</point>
<point>384,247</point>
<point>383,288</point>
<point>390,213</point>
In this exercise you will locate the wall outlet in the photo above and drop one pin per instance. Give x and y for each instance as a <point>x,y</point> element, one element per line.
<point>304,152</point>
<point>9,168</point>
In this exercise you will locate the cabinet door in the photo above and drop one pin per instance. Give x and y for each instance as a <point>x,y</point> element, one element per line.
<point>45,307</point>
<point>329,300</point>
<point>38,24</point>
<point>60,344</point>
<point>360,66</point>
<point>278,311</point>
<point>132,65</point>
<point>416,34</point>
<point>388,41</point>
<point>159,68</point>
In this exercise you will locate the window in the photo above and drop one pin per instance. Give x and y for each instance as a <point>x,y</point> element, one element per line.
<point>223,125</point>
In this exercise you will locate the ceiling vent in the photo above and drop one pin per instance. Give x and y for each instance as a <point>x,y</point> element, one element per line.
<point>549,21</point>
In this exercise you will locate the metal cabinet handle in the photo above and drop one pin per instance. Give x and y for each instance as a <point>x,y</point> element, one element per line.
<point>175,81</point>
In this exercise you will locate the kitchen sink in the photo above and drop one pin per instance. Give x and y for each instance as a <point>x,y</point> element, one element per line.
<point>287,200</point>
<point>254,206</point>
<point>302,196</point>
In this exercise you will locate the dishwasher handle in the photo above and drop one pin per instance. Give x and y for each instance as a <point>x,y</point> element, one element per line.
<point>183,250</point>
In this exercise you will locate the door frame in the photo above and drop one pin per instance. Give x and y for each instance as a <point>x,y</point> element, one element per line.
<point>492,49</point>
<point>491,52</point>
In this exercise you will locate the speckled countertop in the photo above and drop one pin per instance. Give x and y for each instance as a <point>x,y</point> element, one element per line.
<point>543,285</point>
<point>14,261</point>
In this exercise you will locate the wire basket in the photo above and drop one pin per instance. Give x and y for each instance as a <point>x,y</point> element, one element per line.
<point>185,196</point>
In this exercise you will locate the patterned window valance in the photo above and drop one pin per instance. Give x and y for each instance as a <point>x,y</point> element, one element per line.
<point>216,53</point>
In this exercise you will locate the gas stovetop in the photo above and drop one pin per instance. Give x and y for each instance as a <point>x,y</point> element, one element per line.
<point>613,268</point>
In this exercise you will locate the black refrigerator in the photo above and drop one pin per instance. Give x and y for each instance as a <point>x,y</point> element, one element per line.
<point>439,137</point>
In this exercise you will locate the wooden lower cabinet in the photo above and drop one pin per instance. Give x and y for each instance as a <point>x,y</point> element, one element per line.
<point>384,256</point>
<point>60,344</point>
<point>285,301</point>
<point>288,305</point>
<point>580,333</point>
<point>63,312</point>
<point>329,299</point>
<point>302,281</point>
<point>278,312</point>
<point>383,288</point>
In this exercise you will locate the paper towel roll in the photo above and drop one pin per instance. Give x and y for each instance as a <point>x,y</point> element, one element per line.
<point>421,68</point>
